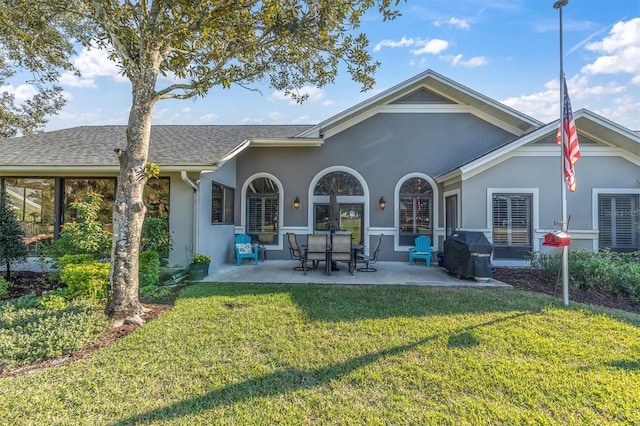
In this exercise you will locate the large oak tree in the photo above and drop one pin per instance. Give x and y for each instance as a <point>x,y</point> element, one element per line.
<point>206,43</point>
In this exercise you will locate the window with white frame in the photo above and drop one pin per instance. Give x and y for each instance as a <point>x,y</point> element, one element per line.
<point>222,199</point>
<point>415,201</point>
<point>451,214</point>
<point>512,225</point>
<point>262,210</point>
<point>618,221</point>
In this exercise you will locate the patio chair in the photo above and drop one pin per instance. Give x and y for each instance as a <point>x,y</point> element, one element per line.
<point>371,258</point>
<point>421,250</point>
<point>294,250</point>
<point>244,249</point>
<point>341,250</point>
<point>316,250</point>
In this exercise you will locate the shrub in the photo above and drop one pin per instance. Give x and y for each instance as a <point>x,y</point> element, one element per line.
<point>149,268</point>
<point>617,273</point>
<point>156,236</point>
<point>86,234</point>
<point>4,287</point>
<point>53,301</point>
<point>12,246</point>
<point>86,280</point>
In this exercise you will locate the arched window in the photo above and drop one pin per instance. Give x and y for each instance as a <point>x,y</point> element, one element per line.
<point>350,211</point>
<point>415,204</point>
<point>262,210</point>
<point>344,182</point>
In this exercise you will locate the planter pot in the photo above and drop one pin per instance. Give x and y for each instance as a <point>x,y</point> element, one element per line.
<point>441,260</point>
<point>198,271</point>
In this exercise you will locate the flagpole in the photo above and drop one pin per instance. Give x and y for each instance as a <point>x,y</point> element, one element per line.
<point>565,250</point>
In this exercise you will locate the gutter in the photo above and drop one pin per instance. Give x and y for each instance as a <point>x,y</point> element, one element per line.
<point>195,226</point>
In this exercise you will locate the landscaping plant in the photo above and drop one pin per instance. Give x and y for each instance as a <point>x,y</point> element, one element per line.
<point>12,246</point>
<point>606,271</point>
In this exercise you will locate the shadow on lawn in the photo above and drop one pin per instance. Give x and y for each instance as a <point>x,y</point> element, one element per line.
<point>327,302</point>
<point>283,381</point>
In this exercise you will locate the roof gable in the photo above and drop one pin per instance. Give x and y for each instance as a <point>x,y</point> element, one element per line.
<point>592,129</point>
<point>429,89</point>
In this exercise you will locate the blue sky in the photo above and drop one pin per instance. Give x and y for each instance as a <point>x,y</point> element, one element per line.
<point>507,50</point>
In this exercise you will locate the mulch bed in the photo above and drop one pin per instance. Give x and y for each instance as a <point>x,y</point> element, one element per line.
<point>542,282</point>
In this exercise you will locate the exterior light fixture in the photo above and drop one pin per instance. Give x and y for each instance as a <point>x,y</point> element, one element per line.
<point>296,203</point>
<point>382,204</point>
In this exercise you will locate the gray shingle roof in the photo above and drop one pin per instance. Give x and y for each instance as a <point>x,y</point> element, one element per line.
<point>170,145</point>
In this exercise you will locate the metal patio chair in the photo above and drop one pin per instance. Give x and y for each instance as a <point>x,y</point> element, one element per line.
<point>371,258</point>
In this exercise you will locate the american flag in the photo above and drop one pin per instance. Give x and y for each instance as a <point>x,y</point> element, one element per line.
<point>570,148</point>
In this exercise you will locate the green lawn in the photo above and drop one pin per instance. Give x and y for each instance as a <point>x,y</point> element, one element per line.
<point>245,354</point>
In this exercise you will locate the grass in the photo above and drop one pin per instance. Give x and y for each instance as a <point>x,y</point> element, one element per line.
<point>312,354</point>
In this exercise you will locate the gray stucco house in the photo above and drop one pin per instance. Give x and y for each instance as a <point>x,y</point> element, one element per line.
<point>427,156</point>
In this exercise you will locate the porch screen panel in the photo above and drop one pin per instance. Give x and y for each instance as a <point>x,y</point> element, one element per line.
<point>618,222</point>
<point>512,233</point>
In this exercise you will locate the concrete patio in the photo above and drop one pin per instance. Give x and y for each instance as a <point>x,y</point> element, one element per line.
<point>389,273</point>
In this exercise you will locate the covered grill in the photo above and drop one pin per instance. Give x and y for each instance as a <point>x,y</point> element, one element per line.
<point>468,254</point>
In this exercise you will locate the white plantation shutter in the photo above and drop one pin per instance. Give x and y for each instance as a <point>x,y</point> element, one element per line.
<point>520,215</point>
<point>511,220</point>
<point>618,222</point>
<point>500,219</point>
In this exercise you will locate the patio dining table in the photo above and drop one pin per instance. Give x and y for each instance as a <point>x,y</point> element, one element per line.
<point>331,265</point>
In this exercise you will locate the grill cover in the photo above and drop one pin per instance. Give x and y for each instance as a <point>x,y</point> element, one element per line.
<point>468,254</point>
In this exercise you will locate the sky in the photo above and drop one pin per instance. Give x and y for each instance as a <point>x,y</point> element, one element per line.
<point>508,50</point>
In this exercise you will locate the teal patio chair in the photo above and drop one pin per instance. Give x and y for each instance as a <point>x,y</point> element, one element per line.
<point>244,249</point>
<point>421,250</point>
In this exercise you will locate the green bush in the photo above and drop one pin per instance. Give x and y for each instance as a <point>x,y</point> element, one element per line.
<point>53,301</point>
<point>617,273</point>
<point>4,287</point>
<point>86,280</point>
<point>86,234</point>
<point>156,236</point>
<point>31,334</point>
<point>149,268</point>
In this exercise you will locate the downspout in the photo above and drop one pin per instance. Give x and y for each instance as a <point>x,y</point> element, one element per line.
<point>195,227</point>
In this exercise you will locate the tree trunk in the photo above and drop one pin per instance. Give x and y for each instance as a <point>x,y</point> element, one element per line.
<point>123,303</point>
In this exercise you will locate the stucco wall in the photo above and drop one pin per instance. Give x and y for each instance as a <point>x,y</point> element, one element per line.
<point>215,240</point>
<point>382,149</point>
<point>541,174</point>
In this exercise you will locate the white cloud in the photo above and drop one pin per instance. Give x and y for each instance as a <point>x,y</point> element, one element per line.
<point>94,63</point>
<point>71,80</point>
<point>584,93</point>
<point>21,93</point>
<point>476,61</point>
<point>620,49</point>
<point>251,120</point>
<point>208,118</point>
<point>403,42</point>
<point>313,93</point>
<point>433,46</point>
<point>455,22</point>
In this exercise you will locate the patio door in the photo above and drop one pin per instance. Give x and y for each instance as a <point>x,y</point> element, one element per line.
<point>351,219</point>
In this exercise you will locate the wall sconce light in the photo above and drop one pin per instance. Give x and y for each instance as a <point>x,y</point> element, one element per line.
<point>296,203</point>
<point>382,204</point>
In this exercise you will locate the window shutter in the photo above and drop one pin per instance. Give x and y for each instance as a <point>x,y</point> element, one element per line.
<point>520,220</point>
<point>618,222</point>
<point>605,222</point>
<point>500,219</point>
